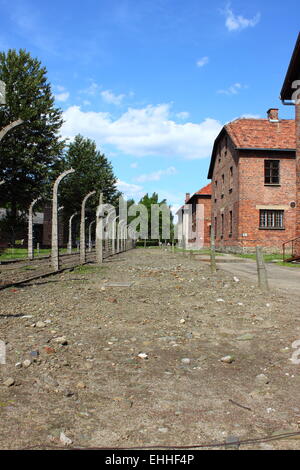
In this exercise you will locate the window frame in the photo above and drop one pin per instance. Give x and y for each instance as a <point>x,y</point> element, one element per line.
<point>271,217</point>
<point>271,177</point>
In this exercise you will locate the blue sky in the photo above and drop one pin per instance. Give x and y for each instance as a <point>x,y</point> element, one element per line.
<point>154,81</point>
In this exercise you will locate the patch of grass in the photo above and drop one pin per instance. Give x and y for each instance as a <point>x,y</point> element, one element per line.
<point>289,265</point>
<point>17,253</point>
<point>267,257</point>
<point>87,269</point>
<point>29,268</point>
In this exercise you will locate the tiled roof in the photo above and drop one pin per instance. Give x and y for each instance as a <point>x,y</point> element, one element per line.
<point>263,134</point>
<point>205,191</point>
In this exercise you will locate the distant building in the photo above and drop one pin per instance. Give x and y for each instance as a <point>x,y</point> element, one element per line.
<point>195,219</point>
<point>253,173</point>
<point>42,227</point>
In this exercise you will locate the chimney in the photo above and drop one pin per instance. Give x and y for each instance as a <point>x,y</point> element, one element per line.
<point>187,196</point>
<point>273,115</point>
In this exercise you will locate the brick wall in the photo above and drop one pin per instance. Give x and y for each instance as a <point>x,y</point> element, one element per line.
<point>225,196</point>
<point>248,194</point>
<point>298,169</point>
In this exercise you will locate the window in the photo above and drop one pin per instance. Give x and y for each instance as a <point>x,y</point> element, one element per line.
<point>271,219</point>
<point>230,178</point>
<point>230,223</point>
<point>223,184</point>
<point>271,171</point>
<point>222,226</point>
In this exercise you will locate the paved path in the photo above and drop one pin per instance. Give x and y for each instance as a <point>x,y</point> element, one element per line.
<point>280,277</point>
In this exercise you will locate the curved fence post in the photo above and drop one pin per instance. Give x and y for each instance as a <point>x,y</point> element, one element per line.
<point>30,228</point>
<point>54,238</point>
<point>70,233</point>
<point>82,228</point>
<point>90,235</point>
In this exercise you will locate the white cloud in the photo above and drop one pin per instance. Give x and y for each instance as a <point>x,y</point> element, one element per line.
<point>130,190</point>
<point>91,90</point>
<point>250,116</point>
<point>62,96</point>
<point>238,22</point>
<point>143,132</point>
<point>183,115</point>
<point>109,97</point>
<point>134,165</point>
<point>156,175</point>
<point>232,90</point>
<point>202,62</point>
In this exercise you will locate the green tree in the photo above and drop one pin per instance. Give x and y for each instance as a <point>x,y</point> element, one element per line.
<point>148,202</point>
<point>29,151</point>
<point>93,171</point>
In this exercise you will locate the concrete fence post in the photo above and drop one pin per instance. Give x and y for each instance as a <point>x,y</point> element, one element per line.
<point>54,238</point>
<point>82,228</point>
<point>90,235</point>
<point>261,270</point>
<point>99,231</point>
<point>30,229</point>
<point>70,233</point>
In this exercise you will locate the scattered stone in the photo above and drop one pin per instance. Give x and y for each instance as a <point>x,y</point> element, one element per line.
<point>261,379</point>
<point>9,382</point>
<point>228,359</point>
<point>185,360</point>
<point>64,439</point>
<point>220,300</point>
<point>81,385</point>
<point>40,324</point>
<point>236,279</point>
<point>26,363</point>
<point>143,355</point>
<point>163,430</point>
<point>18,365</point>
<point>245,337</point>
<point>61,340</point>
<point>182,321</point>
<point>50,381</point>
<point>49,350</point>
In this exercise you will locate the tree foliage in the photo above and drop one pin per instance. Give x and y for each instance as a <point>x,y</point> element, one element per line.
<point>150,201</point>
<point>29,151</point>
<point>93,171</point>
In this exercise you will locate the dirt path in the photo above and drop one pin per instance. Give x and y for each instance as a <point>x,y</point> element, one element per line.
<point>99,392</point>
<point>284,279</point>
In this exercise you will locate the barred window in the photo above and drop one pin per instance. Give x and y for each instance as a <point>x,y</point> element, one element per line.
<point>271,219</point>
<point>271,171</point>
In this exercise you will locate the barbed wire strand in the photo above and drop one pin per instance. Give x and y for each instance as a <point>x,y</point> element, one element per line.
<point>157,447</point>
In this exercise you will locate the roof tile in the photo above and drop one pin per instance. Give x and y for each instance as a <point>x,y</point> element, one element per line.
<point>263,134</point>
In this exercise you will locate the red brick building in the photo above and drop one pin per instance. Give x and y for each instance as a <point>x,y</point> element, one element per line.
<point>253,173</point>
<point>198,207</point>
<point>290,94</point>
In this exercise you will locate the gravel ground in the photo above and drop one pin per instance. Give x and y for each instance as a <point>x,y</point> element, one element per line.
<point>140,365</point>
